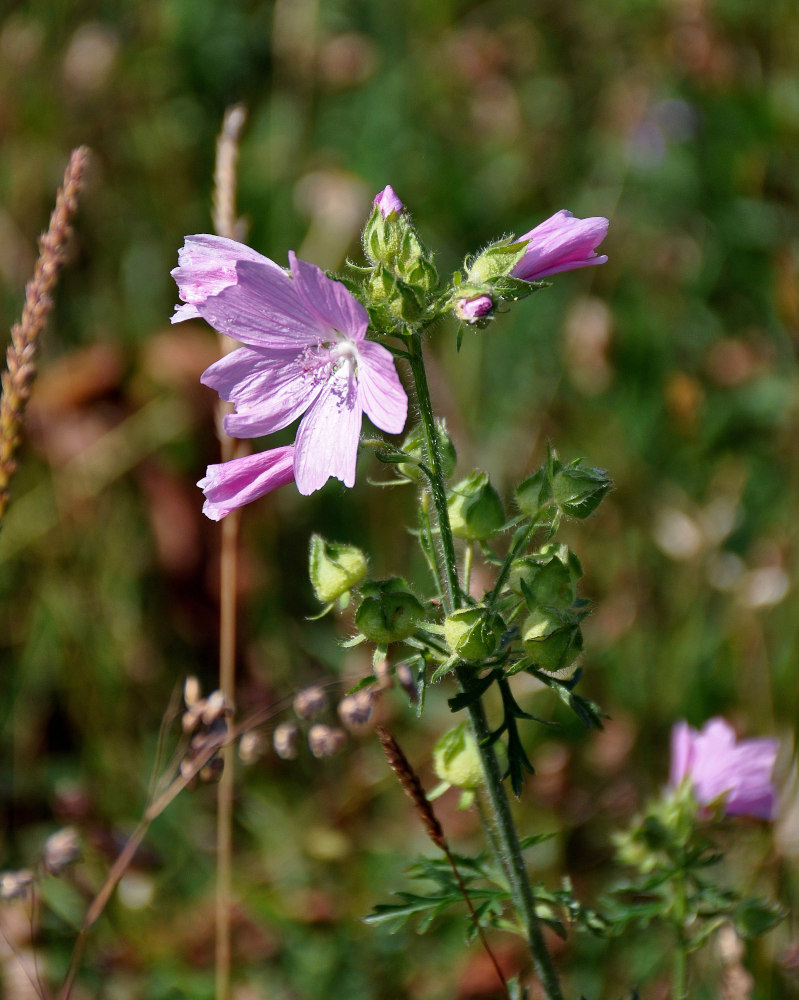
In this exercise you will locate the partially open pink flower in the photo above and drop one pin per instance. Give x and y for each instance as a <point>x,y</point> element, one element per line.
<point>229,485</point>
<point>717,766</point>
<point>388,202</point>
<point>561,243</point>
<point>305,353</point>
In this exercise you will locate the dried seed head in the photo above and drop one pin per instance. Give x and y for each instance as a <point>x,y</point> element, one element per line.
<point>355,710</point>
<point>61,849</point>
<point>284,740</point>
<point>212,771</point>
<point>215,707</point>
<point>310,702</point>
<point>325,741</point>
<point>383,675</point>
<point>15,885</point>
<point>251,747</point>
<point>191,691</point>
<point>406,681</point>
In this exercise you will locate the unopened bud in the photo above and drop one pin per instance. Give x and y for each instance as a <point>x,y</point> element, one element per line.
<point>415,445</point>
<point>474,309</point>
<point>61,849</point>
<point>310,702</point>
<point>475,508</point>
<point>355,710</point>
<point>389,612</point>
<point>284,740</point>
<point>552,639</point>
<point>578,489</point>
<point>334,568</point>
<point>548,579</point>
<point>387,202</point>
<point>15,885</point>
<point>472,633</point>
<point>325,741</point>
<point>456,758</point>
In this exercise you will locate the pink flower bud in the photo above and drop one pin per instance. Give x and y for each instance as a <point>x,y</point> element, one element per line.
<point>561,243</point>
<point>471,310</point>
<point>388,202</point>
<point>718,767</point>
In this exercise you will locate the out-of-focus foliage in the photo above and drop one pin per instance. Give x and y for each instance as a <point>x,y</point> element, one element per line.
<point>673,366</point>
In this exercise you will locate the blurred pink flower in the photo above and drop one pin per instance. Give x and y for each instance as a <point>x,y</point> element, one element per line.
<point>388,202</point>
<point>305,353</point>
<point>717,766</point>
<point>561,243</point>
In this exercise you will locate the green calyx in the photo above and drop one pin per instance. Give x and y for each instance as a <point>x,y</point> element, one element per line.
<point>552,638</point>
<point>475,508</point>
<point>389,612</point>
<point>456,758</point>
<point>473,633</point>
<point>334,568</point>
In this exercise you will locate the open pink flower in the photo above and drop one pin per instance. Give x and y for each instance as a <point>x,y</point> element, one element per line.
<point>305,353</point>
<point>717,767</point>
<point>561,243</point>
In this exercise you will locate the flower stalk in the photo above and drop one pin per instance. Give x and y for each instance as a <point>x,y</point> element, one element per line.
<point>501,829</point>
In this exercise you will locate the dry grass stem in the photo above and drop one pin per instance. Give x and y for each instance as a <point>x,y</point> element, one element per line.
<point>18,378</point>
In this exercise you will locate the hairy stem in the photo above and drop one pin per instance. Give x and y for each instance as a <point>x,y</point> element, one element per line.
<point>511,857</point>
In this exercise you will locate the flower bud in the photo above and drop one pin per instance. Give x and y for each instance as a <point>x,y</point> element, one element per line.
<point>552,639</point>
<point>284,740</point>
<point>15,884</point>
<point>325,741</point>
<point>472,310</point>
<point>578,489</point>
<point>547,579</point>
<point>387,202</point>
<point>389,612</point>
<point>414,445</point>
<point>472,633</point>
<point>456,758</point>
<point>310,702</point>
<point>534,493</point>
<point>475,508</point>
<point>334,568</point>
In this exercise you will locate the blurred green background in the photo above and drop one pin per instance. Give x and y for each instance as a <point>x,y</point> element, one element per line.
<point>673,366</point>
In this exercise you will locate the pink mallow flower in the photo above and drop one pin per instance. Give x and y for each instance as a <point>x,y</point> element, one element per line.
<point>718,767</point>
<point>562,243</point>
<point>305,353</point>
<point>388,202</point>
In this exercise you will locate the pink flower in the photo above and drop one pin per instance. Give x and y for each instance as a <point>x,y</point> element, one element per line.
<point>562,243</point>
<point>717,766</point>
<point>305,353</point>
<point>388,202</point>
<point>229,485</point>
<point>470,310</point>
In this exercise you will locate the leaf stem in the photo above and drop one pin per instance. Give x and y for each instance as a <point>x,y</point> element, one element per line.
<point>510,853</point>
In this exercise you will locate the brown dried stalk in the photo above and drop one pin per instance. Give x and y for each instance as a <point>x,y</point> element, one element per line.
<point>413,787</point>
<point>17,380</point>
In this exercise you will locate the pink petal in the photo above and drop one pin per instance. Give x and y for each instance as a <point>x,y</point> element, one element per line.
<point>561,243</point>
<point>207,265</point>
<point>335,307</point>
<point>681,741</point>
<point>270,389</point>
<point>327,438</point>
<point>383,399</point>
<point>388,202</point>
<point>230,485</point>
<point>262,309</point>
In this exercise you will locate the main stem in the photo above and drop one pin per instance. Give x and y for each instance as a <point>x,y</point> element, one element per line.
<point>511,858</point>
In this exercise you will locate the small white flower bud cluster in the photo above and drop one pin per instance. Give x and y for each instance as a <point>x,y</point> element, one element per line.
<point>16,884</point>
<point>206,719</point>
<point>323,740</point>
